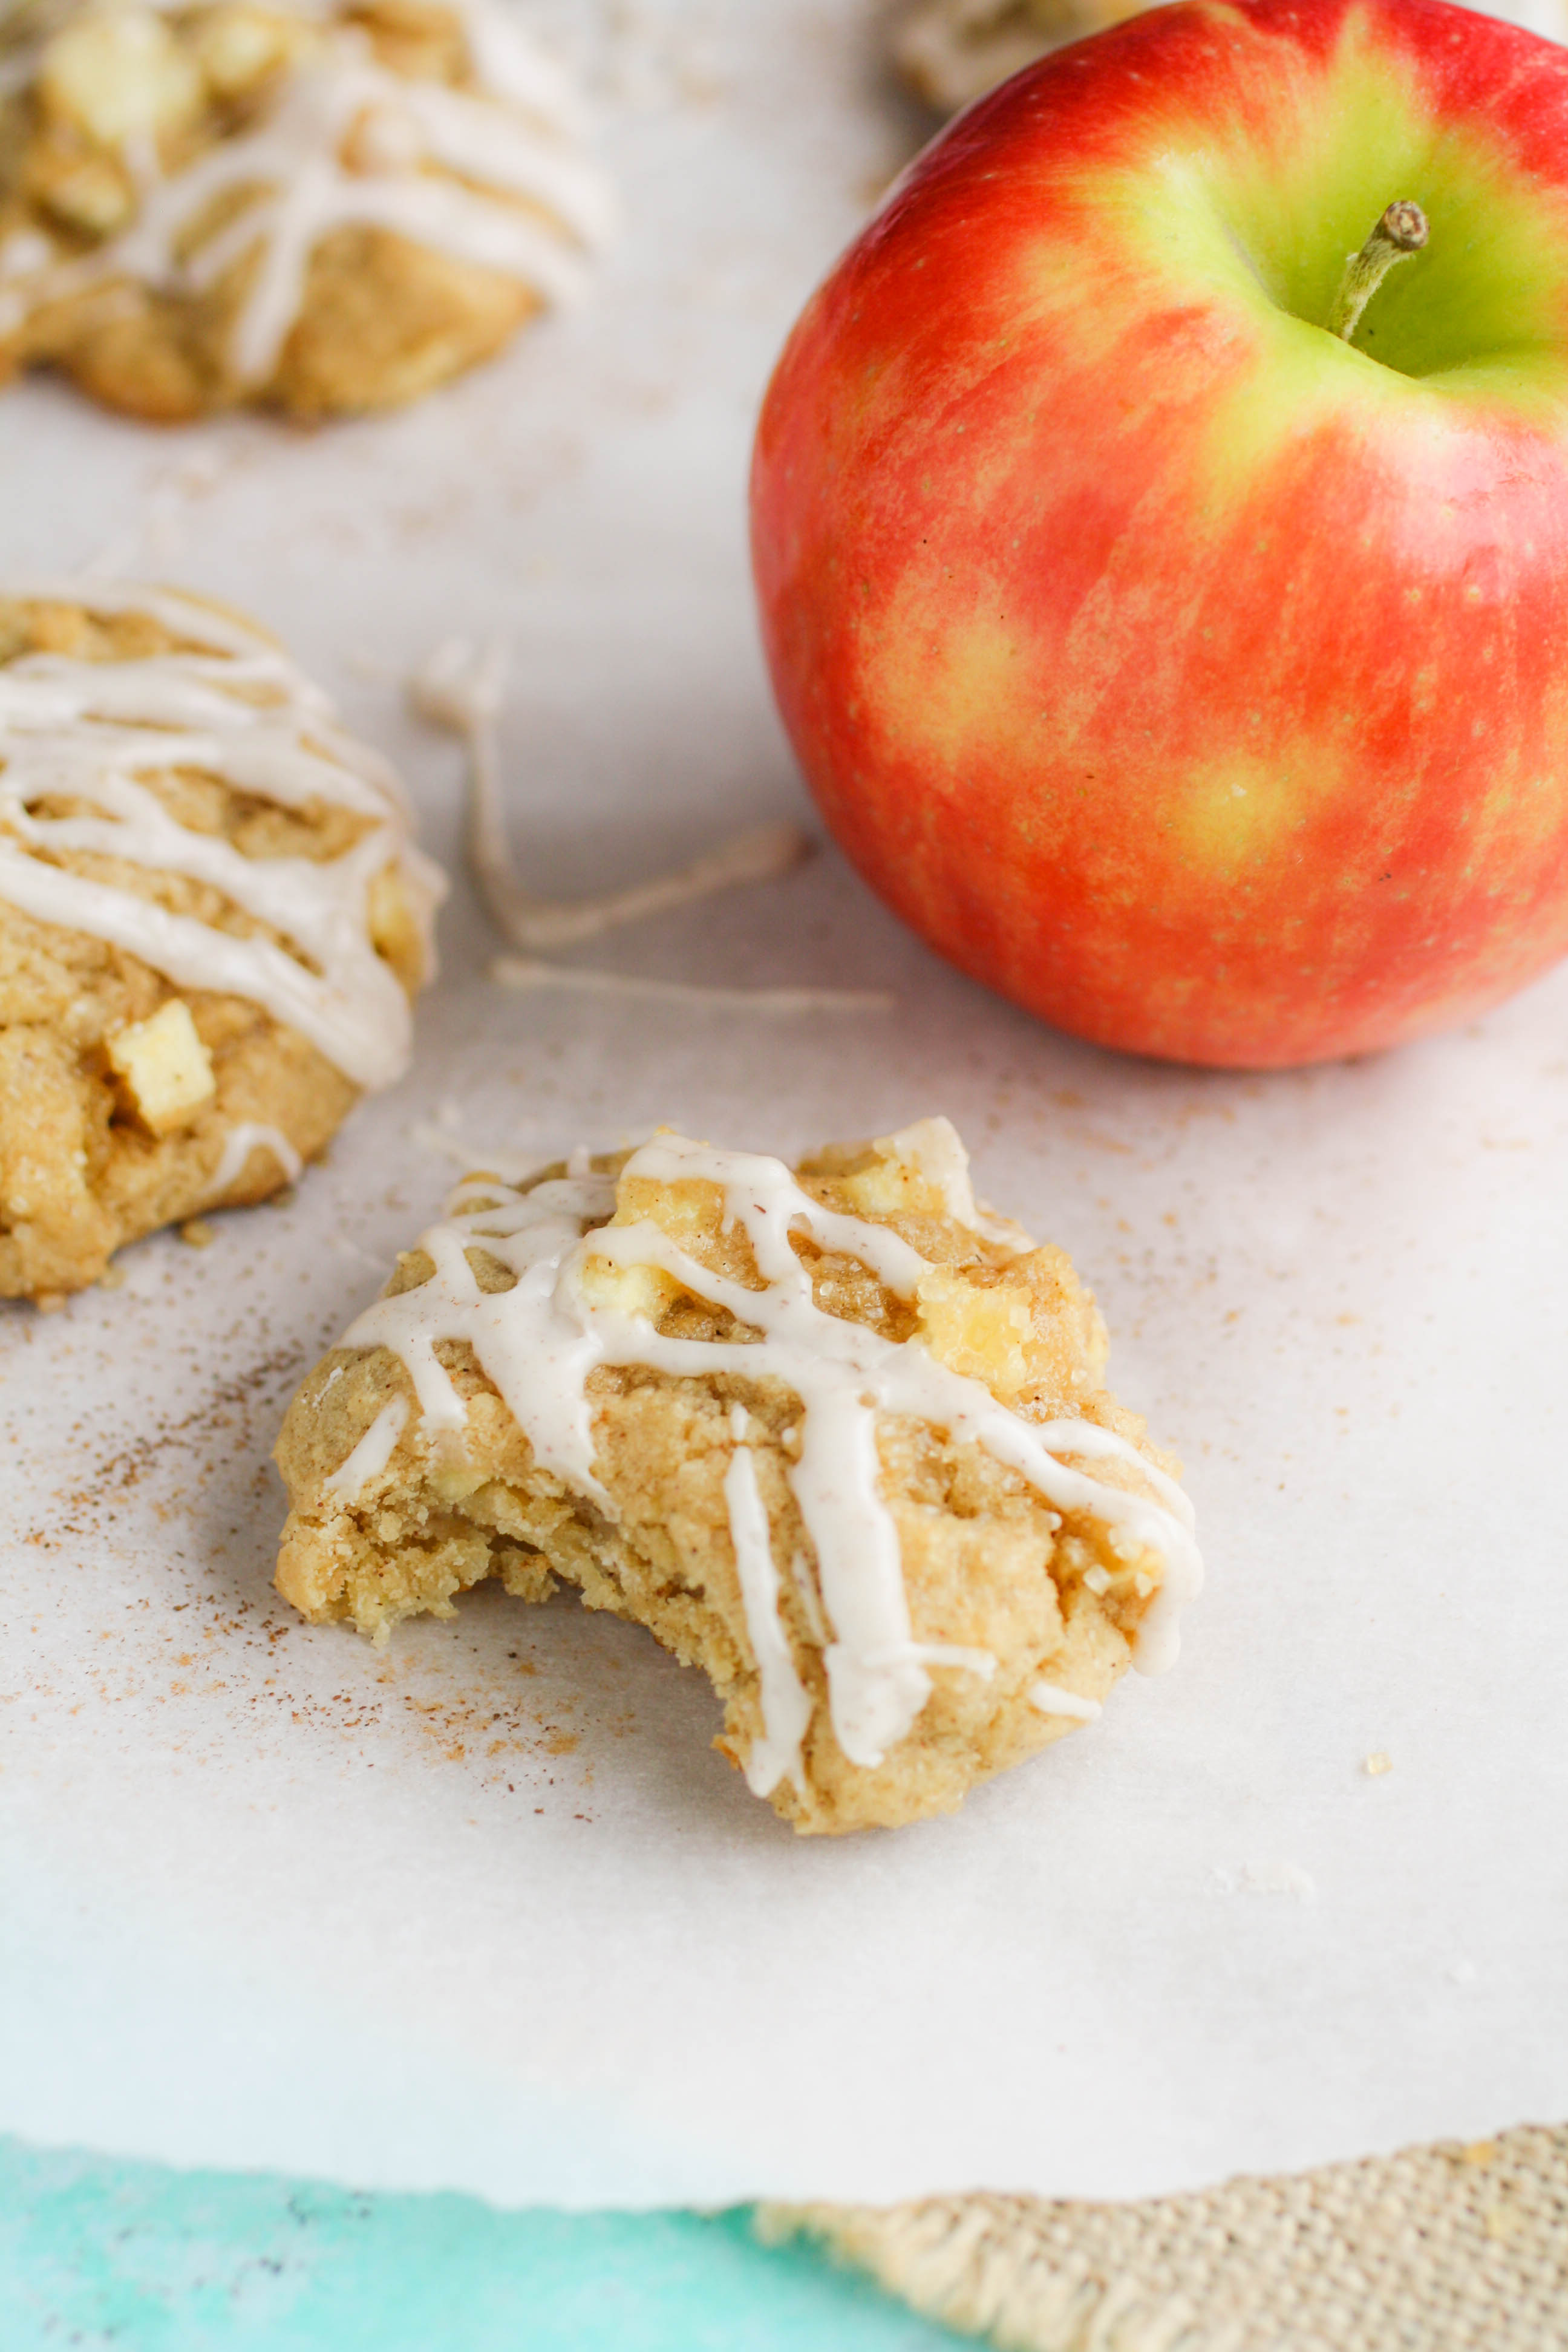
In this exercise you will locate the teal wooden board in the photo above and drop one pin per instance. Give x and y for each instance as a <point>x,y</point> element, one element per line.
<point>97,2253</point>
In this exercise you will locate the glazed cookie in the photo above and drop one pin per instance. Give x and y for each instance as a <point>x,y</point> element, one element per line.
<point>211,919</point>
<point>321,206</point>
<point>837,1436</point>
<point>950,51</point>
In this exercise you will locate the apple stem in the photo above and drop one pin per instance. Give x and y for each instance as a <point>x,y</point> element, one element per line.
<point>1401,232</point>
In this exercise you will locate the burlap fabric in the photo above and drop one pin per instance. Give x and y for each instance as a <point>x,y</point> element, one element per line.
<point>1445,2249</point>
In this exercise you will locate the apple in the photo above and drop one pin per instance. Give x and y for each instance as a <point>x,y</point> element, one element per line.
<point>1181,655</point>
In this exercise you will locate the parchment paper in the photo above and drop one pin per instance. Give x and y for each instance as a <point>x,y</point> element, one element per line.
<point>485,1910</point>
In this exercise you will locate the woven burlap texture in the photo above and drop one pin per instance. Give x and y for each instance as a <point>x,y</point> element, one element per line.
<point>1445,2249</point>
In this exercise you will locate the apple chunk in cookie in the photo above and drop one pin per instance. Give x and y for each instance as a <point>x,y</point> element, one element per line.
<point>211,919</point>
<point>837,1434</point>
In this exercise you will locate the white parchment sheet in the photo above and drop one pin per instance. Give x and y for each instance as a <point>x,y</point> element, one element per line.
<point>484,1910</point>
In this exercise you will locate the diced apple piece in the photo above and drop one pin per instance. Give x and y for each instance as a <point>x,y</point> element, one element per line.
<point>164,1068</point>
<point>82,191</point>
<point>239,47</point>
<point>119,74</point>
<point>395,932</point>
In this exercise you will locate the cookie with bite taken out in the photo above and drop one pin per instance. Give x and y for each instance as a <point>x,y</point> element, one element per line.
<point>837,1435</point>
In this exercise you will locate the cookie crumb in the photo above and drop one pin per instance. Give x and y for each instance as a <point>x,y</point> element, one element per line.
<point>1380,1761</point>
<point>1268,1878</point>
<point>197,1232</point>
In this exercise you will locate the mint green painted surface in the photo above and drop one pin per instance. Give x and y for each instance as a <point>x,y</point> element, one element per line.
<point>97,2253</point>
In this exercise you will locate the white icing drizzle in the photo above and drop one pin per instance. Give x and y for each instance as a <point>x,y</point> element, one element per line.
<point>951,1654</point>
<point>461,687</point>
<point>539,1341</point>
<point>526,973</point>
<point>492,177</point>
<point>229,705</point>
<point>252,1135</point>
<point>786,1704</point>
<point>1051,1700</point>
<point>374,1452</point>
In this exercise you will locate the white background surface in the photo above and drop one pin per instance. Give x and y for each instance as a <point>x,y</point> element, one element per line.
<point>485,1910</point>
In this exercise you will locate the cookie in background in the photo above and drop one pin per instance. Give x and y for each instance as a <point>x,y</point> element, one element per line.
<point>950,51</point>
<point>316,208</point>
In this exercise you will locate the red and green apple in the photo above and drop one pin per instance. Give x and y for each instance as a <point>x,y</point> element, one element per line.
<point>1179,655</point>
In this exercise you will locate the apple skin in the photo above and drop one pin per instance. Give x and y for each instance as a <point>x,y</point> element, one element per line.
<point>1192,678</point>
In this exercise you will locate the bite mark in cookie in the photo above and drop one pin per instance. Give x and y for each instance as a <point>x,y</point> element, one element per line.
<point>838,1435</point>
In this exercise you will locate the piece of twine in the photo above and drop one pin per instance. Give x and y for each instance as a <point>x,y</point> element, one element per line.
<point>1443,2249</point>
